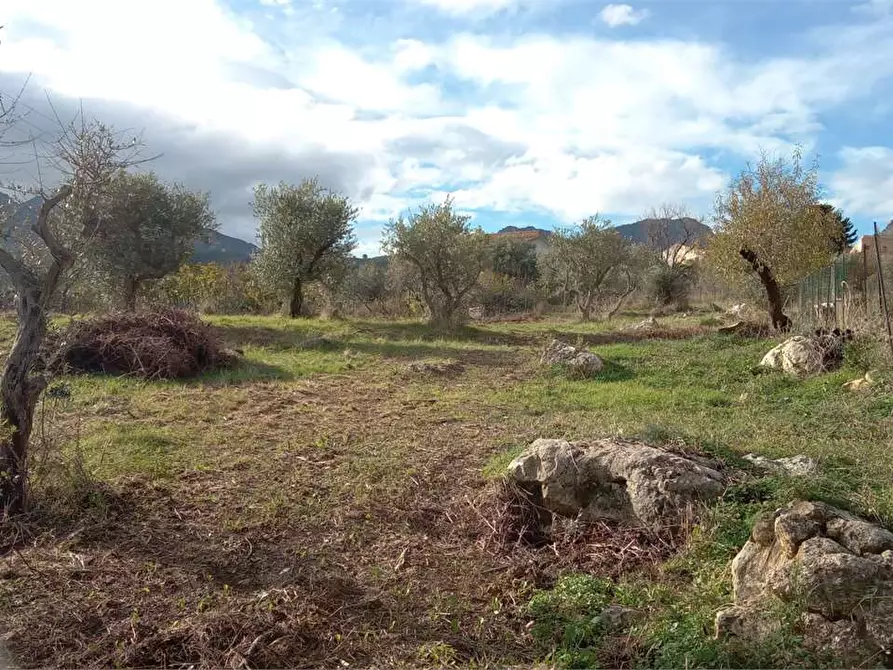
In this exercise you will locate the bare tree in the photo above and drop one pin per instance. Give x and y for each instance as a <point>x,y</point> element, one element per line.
<point>87,155</point>
<point>672,232</point>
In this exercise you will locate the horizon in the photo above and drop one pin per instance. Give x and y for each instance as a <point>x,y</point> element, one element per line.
<point>528,112</point>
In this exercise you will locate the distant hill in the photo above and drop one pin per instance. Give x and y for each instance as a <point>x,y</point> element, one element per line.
<point>667,231</point>
<point>670,231</point>
<point>223,249</point>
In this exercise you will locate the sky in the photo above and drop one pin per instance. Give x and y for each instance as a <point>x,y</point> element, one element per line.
<point>528,112</point>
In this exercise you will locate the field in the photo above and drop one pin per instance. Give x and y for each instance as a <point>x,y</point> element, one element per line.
<point>323,504</point>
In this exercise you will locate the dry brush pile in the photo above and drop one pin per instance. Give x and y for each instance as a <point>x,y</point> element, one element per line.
<point>169,344</point>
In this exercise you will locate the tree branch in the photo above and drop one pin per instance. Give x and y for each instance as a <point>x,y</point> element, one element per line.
<point>42,228</point>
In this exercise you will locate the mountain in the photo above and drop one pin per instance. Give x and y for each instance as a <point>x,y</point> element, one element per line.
<point>667,231</point>
<point>223,249</point>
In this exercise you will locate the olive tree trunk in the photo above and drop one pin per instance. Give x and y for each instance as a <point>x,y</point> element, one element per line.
<point>296,302</point>
<point>780,321</point>
<point>22,383</point>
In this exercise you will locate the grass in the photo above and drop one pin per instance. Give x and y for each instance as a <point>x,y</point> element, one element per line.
<point>321,503</point>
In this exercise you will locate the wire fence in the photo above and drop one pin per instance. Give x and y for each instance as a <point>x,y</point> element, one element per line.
<point>851,292</point>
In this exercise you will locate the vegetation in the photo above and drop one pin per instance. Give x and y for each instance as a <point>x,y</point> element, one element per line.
<point>769,225</point>
<point>322,488</point>
<point>586,263</point>
<point>145,230</point>
<point>305,233</point>
<point>446,255</point>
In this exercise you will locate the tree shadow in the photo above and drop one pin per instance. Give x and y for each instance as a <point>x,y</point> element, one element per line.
<point>614,372</point>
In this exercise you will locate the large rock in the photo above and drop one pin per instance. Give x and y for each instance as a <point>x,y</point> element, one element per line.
<point>836,567</point>
<point>616,480</point>
<point>797,355</point>
<point>578,362</point>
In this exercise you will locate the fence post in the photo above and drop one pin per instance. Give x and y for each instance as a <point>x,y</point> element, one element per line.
<point>882,289</point>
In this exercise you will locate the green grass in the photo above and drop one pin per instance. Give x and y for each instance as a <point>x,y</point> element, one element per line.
<point>322,448</point>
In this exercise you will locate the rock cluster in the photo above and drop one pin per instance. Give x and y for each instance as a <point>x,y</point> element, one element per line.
<point>834,566</point>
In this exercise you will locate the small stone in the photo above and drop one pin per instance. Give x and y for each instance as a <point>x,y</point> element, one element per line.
<point>617,618</point>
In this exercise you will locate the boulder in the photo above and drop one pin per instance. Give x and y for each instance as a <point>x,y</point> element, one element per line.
<point>579,363</point>
<point>797,355</point>
<point>837,567</point>
<point>615,480</point>
<point>795,466</point>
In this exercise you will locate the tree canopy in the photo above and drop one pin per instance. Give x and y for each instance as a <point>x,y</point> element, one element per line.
<point>768,224</point>
<point>146,229</point>
<point>587,260</point>
<point>305,231</point>
<point>445,250</point>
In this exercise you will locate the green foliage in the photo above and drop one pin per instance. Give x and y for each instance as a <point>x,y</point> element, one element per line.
<point>513,258</point>
<point>305,233</point>
<point>671,284</point>
<point>566,618</point>
<point>447,255</point>
<point>771,209</point>
<point>367,283</point>
<point>502,294</point>
<point>845,235</point>
<point>212,288</point>
<point>145,229</point>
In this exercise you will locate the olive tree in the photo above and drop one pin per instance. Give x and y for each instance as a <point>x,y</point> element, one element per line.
<point>587,261</point>
<point>148,229</point>
<point>768,226</point>
<point>87,154</point>
<point>305,232</point>
<point>446,252</point>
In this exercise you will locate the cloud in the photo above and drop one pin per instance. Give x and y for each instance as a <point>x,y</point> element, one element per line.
<point>468,7</point>
<point>864,182</point>
<point>622,15</point>
<point>509,122</point>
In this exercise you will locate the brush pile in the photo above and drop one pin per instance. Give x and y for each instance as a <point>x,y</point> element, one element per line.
<point>169,344</point>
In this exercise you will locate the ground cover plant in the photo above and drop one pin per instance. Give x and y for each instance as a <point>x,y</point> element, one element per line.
<point>324,502</point>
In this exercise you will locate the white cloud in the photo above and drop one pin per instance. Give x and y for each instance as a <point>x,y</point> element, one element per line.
<point>864,182</point>
<point>552,123</point>
<point>468,7</point>
<point>622,15</point>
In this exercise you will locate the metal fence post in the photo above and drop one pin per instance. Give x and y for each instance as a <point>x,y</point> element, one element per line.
<point>882,288</point>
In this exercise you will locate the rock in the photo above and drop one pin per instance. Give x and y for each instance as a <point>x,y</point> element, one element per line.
<point>615,480</point>
<point>447,367</point>
<point>861,384</point>
<point>797,355</point>
<point>796,466</point>
<point>648,324</point>
<point>837,567</point>
<point>617,618</point>
<point>736,310</point>
<point>579,363</point>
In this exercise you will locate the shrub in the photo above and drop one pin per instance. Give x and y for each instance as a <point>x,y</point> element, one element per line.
<point>671,284</point>
<point>154,345</point>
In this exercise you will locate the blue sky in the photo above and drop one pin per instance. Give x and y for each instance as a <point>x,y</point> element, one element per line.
<point>529,112</point>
